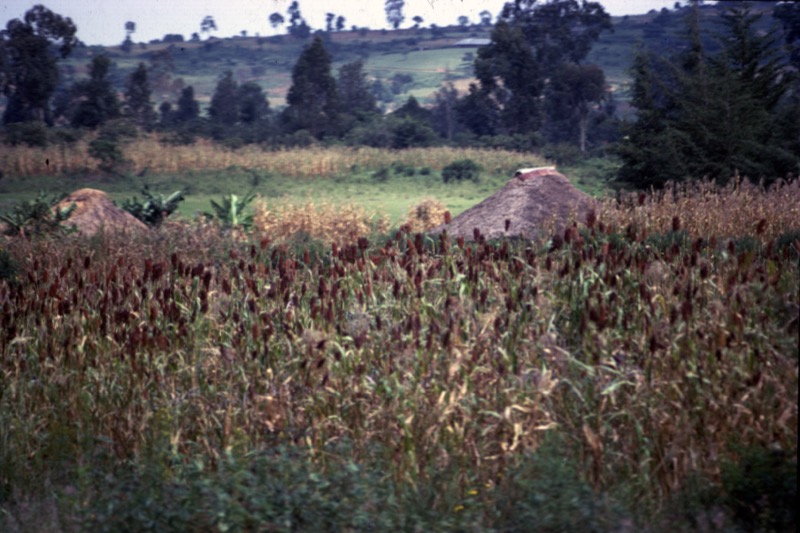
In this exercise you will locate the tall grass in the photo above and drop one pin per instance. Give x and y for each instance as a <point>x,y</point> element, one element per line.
<point>146,153</point>
<point>438,366</point>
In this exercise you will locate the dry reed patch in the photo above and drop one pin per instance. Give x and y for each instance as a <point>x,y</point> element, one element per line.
<point>704,210</point>
<point>426,215</point>
<point>146,152</point>
<point>321,221</point>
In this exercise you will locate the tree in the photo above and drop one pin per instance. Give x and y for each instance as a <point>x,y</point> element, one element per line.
<point>570,93</point>
<point>127,44</point>
<point>478,111</point>
<point>97,100</point>
<point>355,93</point>
<point>394,12</point>
<point>313,101</point>
<point>137,98</point>
<point>444,116</point>
<point>486,18</point>
<point>329,20</point>
<point>207,25</point>
<point>224,107</point>
<point>253,104</point>
<point>510,77</point>
<point>418,21</point>
<point>340,23</point>
<point>188,108</point>
<point>560,34</point>
<point>560,30</point>
<point>788,13</point>
<point>463,21</point>
<point>713,115</point>
<point>276,19</point>
<point>28,64</point>
<point>297,24</point>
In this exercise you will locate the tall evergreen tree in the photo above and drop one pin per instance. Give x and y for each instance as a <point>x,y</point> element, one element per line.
<point>28,64</point>
<point>313,100</point>
<point>137,98</point>
<point>188,108</point>
<point>713,115</point>
<point>224,108</point>
<point>253,104</point>
<point>96,99</point>
<point>354,90</point>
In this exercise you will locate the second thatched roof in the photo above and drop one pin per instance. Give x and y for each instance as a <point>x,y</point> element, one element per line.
<point>95,211</point>
<point>534,200</point>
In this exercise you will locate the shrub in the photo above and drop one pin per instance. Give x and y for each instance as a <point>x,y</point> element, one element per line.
<point>28,133</point>
<point>108,152</point>
<point>761,490</point>
<point>426,215</point>
<point>463,169</point>
<point>8,266</point>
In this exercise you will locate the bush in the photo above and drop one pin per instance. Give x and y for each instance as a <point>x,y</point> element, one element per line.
<point>28,133</point>
<point>463,169</point>
<point>108,152</point>
<point>761,490</point>
<point>107,149</point>
<point>8,266</point>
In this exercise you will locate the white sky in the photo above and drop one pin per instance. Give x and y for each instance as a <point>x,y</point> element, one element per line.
<point>103,21</point>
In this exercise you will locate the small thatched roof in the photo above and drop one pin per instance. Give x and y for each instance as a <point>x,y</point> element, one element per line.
<point>94,211</point>
<point>530,200</point>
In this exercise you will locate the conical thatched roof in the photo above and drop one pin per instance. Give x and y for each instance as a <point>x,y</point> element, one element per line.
<point>94,211</point>
<point>529,201</point>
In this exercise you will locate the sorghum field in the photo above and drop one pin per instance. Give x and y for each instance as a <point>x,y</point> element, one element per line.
<point>637,372</point>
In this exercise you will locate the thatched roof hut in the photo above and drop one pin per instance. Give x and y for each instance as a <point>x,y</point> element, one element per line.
<point>94,211</point>
<point>529,201</point>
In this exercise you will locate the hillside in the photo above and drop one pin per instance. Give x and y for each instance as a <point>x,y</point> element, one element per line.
<point>407,62</point>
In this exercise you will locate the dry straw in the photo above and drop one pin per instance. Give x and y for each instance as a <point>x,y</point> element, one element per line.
<point>148,153</point>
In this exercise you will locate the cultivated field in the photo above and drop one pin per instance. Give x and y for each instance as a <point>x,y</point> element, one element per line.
<point>639,371</point>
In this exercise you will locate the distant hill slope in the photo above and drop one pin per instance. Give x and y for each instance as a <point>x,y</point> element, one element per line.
<point>407,62</point>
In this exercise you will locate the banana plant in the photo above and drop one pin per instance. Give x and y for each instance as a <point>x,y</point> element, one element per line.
<point>37,217</point>
<point>231,212</point>
<point>155,209</point>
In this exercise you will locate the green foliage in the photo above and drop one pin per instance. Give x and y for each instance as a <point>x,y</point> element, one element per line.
<point>761,490</point>
<point>108,152</point>
<point>36,217</point>
<point>137,98</point>
<point>231,212</point>
<point>224,108</point>
<point>9,268</point>
<point>155,209</point>
<point>28,133</point>
<point>313,100</point>
<point>544,492</point>
<point>28,65</point>
<point>461,170</point>
<point>716,115</point>
<point>107,146</point>
<point>510,76</point>
<point>96,97</point>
